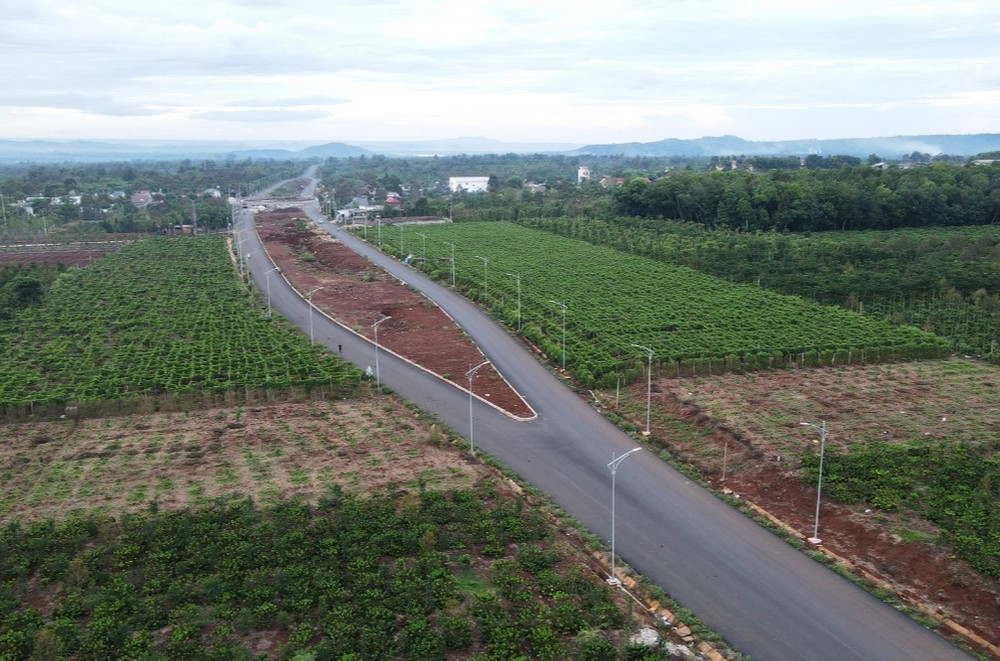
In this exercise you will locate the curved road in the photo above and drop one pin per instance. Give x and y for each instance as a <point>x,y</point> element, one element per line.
<point>765,598</point>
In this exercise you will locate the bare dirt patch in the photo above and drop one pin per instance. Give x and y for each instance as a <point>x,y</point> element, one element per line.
<point>747,429</point>
<point>69,253</point>
<point>357,294</point>
<point>67,257</point>
<point>271,452</point>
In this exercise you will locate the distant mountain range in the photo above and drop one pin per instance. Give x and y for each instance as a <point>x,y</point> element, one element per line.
<point>53,151</point>
<point>730,145</point>
<point>456,146</point>
<point>77,151</point>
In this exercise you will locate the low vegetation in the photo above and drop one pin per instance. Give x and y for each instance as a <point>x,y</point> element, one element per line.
<point>165,316</point>
<point>695,323</point>
<point>941,280</point>
<point>917,438</point>
<point>323,530</point>
<point>419,577</point>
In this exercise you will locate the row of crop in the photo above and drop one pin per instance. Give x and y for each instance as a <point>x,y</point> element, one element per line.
<point>614,300</point>
<point>941,279</point>
<point>972,325</point>
<point>950,484</point>
<point>166,315</point>
<point>363,579</point>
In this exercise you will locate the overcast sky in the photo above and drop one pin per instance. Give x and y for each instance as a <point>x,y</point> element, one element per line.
<point>533,71</point>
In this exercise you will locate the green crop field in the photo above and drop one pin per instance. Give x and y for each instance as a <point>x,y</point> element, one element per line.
<point>163,316</point>
<point>437,576</point>
<point>695,323</point>
<point>941,279</point>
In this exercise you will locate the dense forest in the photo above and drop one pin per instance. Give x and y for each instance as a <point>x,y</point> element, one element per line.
<point>847,198</point>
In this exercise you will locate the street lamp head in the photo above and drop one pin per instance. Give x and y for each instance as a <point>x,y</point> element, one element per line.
<point>821,428</point>
<point>472,372</point>
<point>614,463</point>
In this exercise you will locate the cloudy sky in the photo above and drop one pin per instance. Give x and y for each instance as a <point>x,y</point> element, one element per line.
<point>533,71</point>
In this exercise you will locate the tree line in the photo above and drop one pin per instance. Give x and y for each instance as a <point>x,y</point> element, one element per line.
<point>816,200</point>
<point>95,197</point>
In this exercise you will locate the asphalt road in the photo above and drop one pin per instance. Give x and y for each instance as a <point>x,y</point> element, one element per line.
<point>765,598</point>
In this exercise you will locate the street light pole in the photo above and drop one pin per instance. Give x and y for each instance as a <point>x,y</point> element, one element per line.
<point>424,248</point>
<point>246,263</point>
<point>471,374</point>
<point>649,383</point>
<point>267,278</point>
<point>239,255</point>
<point>449,243</point>
<point>486,282</point>
<point>518,278</point>
<point>564,307</point>
<point>378,378</point>
<point>815,540</point>
<point>613,465</point>
<point>309,297</point>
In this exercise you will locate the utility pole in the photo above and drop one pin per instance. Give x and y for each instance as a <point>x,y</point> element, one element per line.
<point>649,383</point>
<point>378,378</point>
<point>613,465</point>
<point>471,374</point>
<point>564,308</point>
<point>486,280</point>
<point>449,243</point>
<point>815,540</point>
<point>518,278</point>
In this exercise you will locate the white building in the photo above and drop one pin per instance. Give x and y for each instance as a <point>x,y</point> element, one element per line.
<point>582,174</point>
<point>358,214</point>
<point>468,184</point>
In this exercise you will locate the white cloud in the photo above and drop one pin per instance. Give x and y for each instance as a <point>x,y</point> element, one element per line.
<point>520,70</point>
<point>256,116</point>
